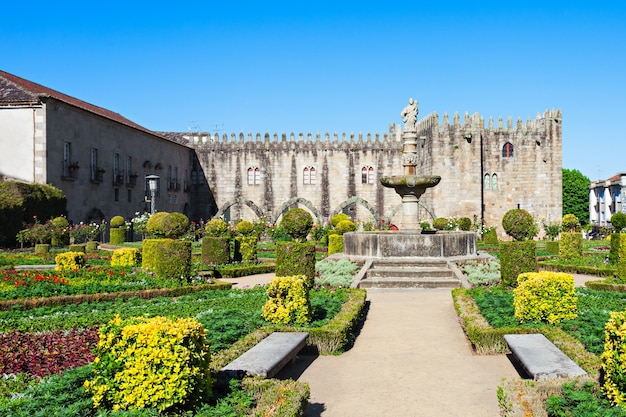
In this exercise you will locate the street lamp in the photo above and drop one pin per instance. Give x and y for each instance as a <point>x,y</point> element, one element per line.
<point>153,181</point>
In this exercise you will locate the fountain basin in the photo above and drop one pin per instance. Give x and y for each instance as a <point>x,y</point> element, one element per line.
<point>409,184</point>
<point>392,244</point>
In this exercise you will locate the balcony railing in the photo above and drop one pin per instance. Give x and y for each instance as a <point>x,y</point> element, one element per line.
<point>131,180</point>
<point>173,185</point>
<point>97,175</point>
<point>70,170</point>
<point>118,179</point>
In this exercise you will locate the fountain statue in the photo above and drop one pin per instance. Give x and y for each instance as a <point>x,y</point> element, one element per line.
<point>409,186</point>
<point>408,243</point>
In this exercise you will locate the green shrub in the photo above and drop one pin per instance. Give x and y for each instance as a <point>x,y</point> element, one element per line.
<point>78,247</point>
<point>545,296</point>
<point>482,273</point>
<point>155,224</point>
<point>125,257</point>
<point>91,246</point>
<point>245,248</point>
<point>345,226</point>
<point>42,248</point>
<point>519,224</point>
<point>296,258</point>
<point>425,226</point>
<point>335,244</point>
<point>440,223</point>
<point>21,203</point>
<point>465,224</point>
<point>169,259</point>
<point>571,245</point>
<point>617,255</point>
<point>614,359</point>
<point>244,228</point>
<point>69,261</point>
<point>60,231</point>
<point>117,235</point>
<point>338,218</point>
<point>216,228</point>
<point>552,247</point>
<point>516,258</point>
<point>215,250</point>
<point>491,237</point>
<point>334,273</point>
<point>297,223</point>
<point>174,225</point>
<point>150,362</point>
<point>569,222</point>
<point>117,221</point>
<point>618,220</point>
<point>289,301</point>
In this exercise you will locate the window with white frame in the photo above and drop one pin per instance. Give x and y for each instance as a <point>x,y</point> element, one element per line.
<point>254,176</point>
<point>309,176</point>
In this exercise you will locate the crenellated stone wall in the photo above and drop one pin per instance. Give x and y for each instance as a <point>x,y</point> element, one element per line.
<point>525,173</point>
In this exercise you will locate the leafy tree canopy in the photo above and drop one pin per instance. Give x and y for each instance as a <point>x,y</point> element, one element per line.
<point>576,194</point>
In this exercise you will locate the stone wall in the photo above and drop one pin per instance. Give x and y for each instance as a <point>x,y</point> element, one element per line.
<point>527,176</point>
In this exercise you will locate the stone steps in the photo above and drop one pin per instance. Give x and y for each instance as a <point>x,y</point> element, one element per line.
<point>409,273</point>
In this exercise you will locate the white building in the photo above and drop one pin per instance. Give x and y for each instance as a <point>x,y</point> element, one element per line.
<point>606,197</point>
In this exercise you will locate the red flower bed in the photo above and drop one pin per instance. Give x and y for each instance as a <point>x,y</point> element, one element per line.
<point>42,354</point>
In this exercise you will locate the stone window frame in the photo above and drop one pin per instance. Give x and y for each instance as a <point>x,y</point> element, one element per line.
<point>254,175</point>
<point>508,150</point>
<point>368,175</point>
<point>309,175</point>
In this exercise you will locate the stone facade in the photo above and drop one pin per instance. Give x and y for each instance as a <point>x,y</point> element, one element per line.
<point>606,197</point>
<point>252,176</point>
<point>98,158</point>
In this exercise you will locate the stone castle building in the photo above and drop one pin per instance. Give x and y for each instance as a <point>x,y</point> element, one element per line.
<point>101,159</point>
<point>485,171</point>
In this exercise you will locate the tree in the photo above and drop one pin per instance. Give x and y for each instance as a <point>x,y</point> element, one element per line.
<point>576,194</point>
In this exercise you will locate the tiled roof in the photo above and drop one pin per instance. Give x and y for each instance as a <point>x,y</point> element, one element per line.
<point>18,91</point>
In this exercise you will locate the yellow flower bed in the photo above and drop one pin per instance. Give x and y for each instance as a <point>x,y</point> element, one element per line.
<point>288,301</point>
<point>154,362</point>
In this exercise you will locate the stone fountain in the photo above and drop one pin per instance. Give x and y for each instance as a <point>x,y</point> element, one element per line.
<point>407,257</point>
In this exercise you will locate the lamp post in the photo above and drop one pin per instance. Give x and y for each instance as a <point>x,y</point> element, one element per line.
<point>153,181</point>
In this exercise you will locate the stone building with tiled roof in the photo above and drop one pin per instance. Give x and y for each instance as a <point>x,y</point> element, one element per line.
<point>97,157</point>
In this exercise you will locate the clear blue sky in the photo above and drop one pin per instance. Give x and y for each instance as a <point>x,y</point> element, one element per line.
<point>334,66</point>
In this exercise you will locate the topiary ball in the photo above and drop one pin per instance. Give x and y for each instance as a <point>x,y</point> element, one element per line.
<point>569,221</point>
<point>618,220</point>
<point>465,224</point>
<point>154,226</point>
<point>216,228</point>
<point>244,228</point>
<point>297,223</point>
<point>60,222</point>
<point>117,221</point>
<point>175,225</point>
<point>345,226</point>
<point>440,223</point>
<point>519,224</point>
<point>338,218</point>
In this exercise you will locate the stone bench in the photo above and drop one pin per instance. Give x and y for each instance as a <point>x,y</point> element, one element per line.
<point>268,356</point>
<point>540,358</point>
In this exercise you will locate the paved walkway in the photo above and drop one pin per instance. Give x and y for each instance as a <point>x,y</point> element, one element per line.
<point>411,359</point>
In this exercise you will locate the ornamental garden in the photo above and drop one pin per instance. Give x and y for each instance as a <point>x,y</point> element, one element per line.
<point>142,328</point>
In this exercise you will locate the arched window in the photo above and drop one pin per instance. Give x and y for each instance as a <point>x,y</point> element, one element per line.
<point>308,177</point>
<point>486,181</point>
<point>367,175</point>
<point>507,150</point>
<point>254,176</point>
<point>494,182</point>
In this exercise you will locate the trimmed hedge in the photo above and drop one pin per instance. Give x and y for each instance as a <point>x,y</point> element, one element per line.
<point>552,247</point>
<point>571,245</point>
<point>515,258</point>
<point>491,237</point>
<point>545,296</point>
<point>169,259</point>
<point>335,244</point>
<point>21,203</point>
<point>117,235</point>
<point>215,250</point>
<point>296,258</point>
<point>245,248</point>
